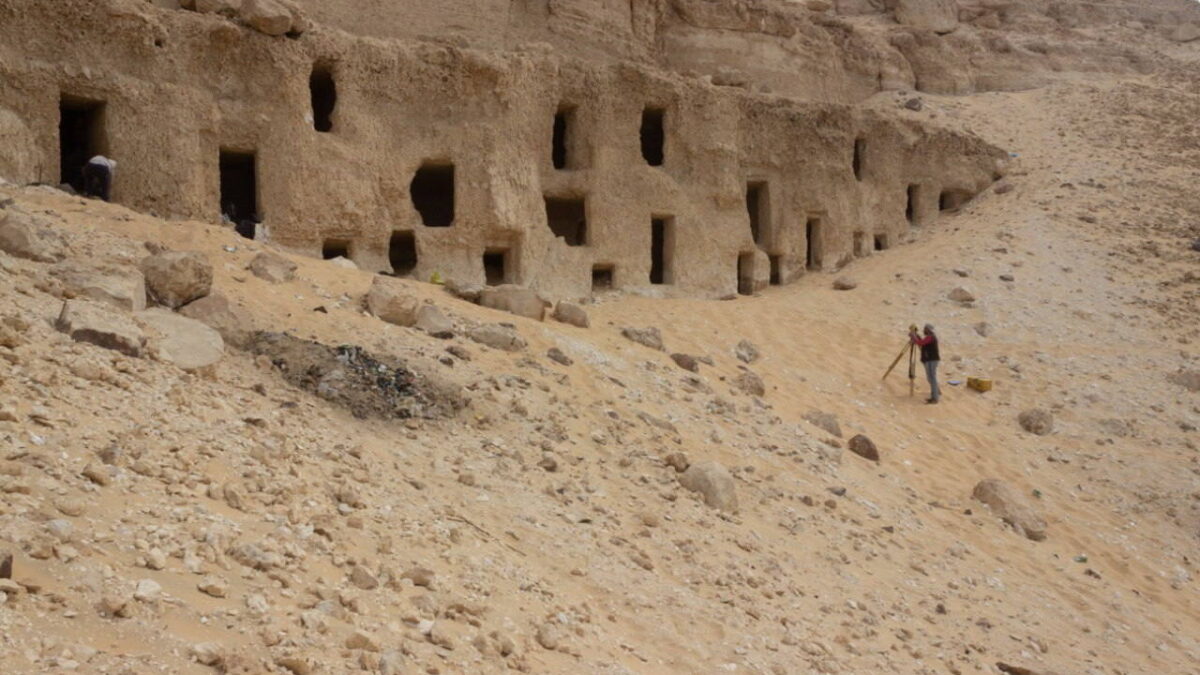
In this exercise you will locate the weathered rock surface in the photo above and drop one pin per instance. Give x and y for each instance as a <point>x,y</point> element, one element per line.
<point>267,16</point>
<point>714,482</point>
<point>216,312</point>
<point>499,337</point>
<point>389,300</point>
<point>746,351</point>
<point>26,236</point>
<point>176,278</point>
<point>272,267</point>
<point>101,325</point>
<point>647,337</point>
<point>749,382</point>
<point>432,321</point>
<point>1036,421</point>
<point>1010,507</point>
<point>687,362</point>
<point>1186,32</point>
<point>184,342</point>
<point>569,312</point>
<point>864,447</point>
<point>1188,379</point>
<point>121,286</point>
<point>514,300</point>
<point>939,16</point>
<point>961,294</point>
<point>824,420</point>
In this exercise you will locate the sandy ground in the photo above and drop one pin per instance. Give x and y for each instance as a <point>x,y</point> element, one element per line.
<point>605,564</point>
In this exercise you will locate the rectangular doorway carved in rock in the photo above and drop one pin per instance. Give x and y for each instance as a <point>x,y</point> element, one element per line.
<point>758,203</point>
<point>602,278</point>
<point>402,253</point>
<point>81,136</point>
<point>496,266</point>
<point>813,237</point>
<point>323,92</point>
<point>662,250</point>
<point>653,136</point>
<point>432,192</point>
<point>239,190</point>
<point>567,218</point>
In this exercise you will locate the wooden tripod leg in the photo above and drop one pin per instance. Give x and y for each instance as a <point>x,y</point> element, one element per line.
<point>907,346</point>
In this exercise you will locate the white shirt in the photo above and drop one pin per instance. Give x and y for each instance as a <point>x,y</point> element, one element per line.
<point>101,160</point>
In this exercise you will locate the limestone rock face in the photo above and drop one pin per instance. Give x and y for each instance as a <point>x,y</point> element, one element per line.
<point>176,278</point>
<point>272,267</point>
<point>498,337</point>
<point>223,7</point>
<point>121,286</point>
<point>389,300</point>
<point>514,300</point>
<point>26,236</point>
<point>939,16</point>
<point>184,342</point>
<point>1011,507</point>
<point>217,313</point>
<point>713,482</point>
<point>101,325</point>
<point>1186,32</point>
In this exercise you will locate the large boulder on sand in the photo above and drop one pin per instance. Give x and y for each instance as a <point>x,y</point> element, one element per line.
<point>267,16</point>
<point>939,16</point>
<point>29,237</point>
<point>121,286</point>
<point>101,325</point>
<point>181,341</point>
<point>272,267</point>
<point>713,482</point>
<point>499,337</point>
<point>175,278</point>
<point>647,337</point>
<point>569,312</point>
<point>1010,507</point>
<point>216,312</point>
<point>391,301</point>
<point>514,300</point>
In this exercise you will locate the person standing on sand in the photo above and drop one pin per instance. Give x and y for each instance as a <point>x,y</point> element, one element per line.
<point>929,358</point>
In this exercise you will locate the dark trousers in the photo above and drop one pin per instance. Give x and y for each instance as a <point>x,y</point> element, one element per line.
<point>97,181</point>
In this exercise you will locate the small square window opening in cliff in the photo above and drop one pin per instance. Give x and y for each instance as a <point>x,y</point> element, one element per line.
<point>653,135</point>
<point>432,192</point>
<point>81,136</point>
<point>812,236</point>
<point>602,278</point>
<point>495,266</point>
<point>239,190</point>
<point>567,218</point>
<point>860,151</point>
<point>662,250</point>
<point>560,148</point>
<point>335,248</point>
<point>402,253</point>
<point>881,242</point>
<point>323,91</point>
<point>758,205</point>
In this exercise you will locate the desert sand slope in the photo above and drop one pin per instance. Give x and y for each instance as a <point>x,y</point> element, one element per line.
<point>228,521</point>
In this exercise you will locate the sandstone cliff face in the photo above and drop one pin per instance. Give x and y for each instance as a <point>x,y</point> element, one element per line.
<point>454,150</point>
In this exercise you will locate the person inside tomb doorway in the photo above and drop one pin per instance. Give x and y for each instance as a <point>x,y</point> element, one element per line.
<point>929,358</point>
<point>97,177</point>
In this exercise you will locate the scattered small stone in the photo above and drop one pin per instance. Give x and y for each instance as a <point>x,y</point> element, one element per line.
<point>147,590</point>
<point>677,461</point>
<point>1037,421</point>
<point>746,351</point>
<point>498,336</point>
<point>420,576</point>
<point>556,355</point>
<point>844,284</point>
<point>686,362</point>
<point>749,382</point>
<point>433,322</point>
<point>864,447</point>
<point>571,313</point>
<point>272,267</point>
<point>1010,507</point>
<point>214,586</point>
<point>548,636</point>
<point>208,653</point>
<point>914,104</point>
<point>176,278</point>
<point>1007,277</point>
<point>961,294</point>
<point>714,482</point>
<point>823,420</point>
<point>647,337</point>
